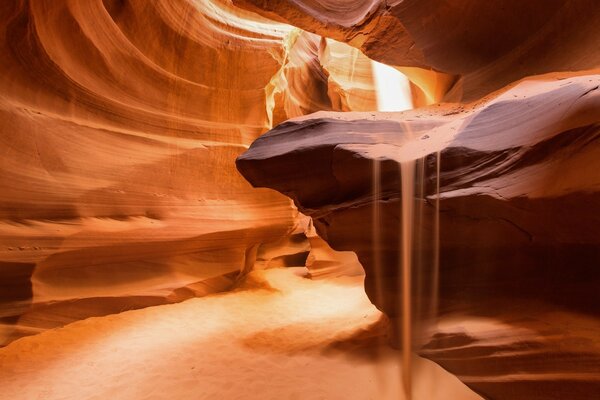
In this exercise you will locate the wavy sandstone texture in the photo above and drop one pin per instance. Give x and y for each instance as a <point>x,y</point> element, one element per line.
<point>121,120</point>
<point>486,44</point>
<point>120,123</point>
<point>519,224</point>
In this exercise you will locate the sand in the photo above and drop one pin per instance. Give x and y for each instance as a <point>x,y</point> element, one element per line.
<point>280,336</point>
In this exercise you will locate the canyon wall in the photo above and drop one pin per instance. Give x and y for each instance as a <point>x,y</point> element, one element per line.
<point>120,123</point>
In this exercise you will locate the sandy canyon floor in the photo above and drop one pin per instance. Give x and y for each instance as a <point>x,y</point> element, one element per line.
<point>280,336</point>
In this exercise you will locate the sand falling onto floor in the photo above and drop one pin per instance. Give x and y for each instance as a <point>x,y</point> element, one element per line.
<point>280,336</point>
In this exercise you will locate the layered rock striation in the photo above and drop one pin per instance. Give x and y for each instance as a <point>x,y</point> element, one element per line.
<point>118,131</point>
<point>120,123</point>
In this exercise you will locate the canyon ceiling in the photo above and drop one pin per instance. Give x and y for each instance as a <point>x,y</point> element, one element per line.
<point>156,151</point>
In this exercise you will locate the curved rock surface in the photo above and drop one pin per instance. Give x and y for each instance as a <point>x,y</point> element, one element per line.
<point>519,223</point>
<point>118,131</point>
<point>120,123</point>
<point>487,44</point>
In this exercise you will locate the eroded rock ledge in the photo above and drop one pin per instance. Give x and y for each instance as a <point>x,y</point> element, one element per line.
<point>519,220</point>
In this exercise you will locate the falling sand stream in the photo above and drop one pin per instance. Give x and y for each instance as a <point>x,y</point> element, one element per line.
<point>393,94</point>
<point>407,172</point>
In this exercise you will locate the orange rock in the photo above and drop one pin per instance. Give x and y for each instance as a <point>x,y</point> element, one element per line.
<point>120,125</point>
<point>519,222</point>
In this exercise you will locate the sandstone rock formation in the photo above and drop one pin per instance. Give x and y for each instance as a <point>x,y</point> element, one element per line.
<point>487,45</point>
<point>117,189</point>
<point>519,220</point>
<point>121,121</point>
<point>324,262</point>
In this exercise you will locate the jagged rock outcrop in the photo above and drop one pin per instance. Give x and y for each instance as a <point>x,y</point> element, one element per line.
<point>486,44</point>
<point>519,222</point>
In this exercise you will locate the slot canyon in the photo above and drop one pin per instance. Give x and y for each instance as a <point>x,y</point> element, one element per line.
<point>300,199</point>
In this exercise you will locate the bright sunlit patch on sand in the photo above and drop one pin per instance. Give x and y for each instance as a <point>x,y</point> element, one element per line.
<point>393,88</point>
<point>281,336</point>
